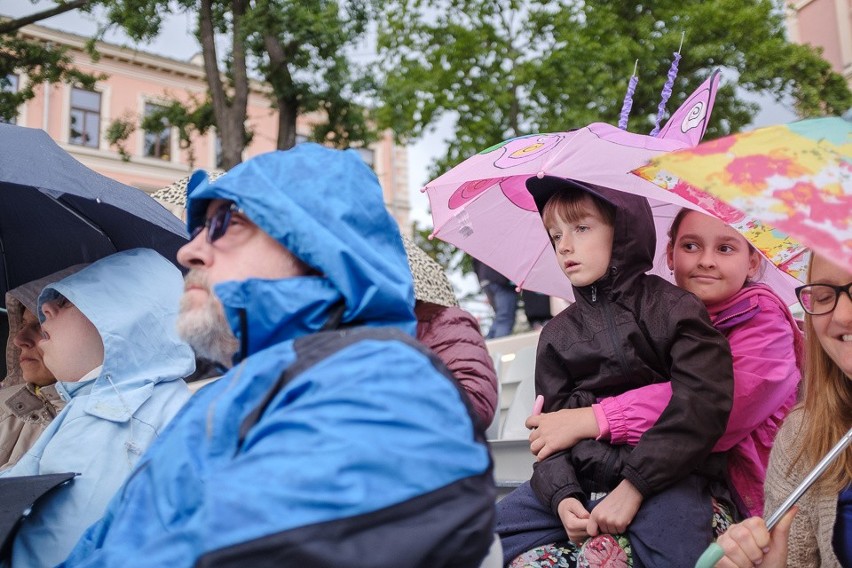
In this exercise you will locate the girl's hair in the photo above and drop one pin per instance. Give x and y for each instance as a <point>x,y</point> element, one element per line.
<point>827,407</point>
<point>572,206</point>
<point>675,228</point>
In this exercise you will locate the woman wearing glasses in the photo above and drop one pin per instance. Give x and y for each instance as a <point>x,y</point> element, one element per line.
<point>821,532</point>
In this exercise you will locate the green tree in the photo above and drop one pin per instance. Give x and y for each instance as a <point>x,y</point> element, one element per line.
<point>511,67</point>
<point>299,48</point>
<point>42,63</point>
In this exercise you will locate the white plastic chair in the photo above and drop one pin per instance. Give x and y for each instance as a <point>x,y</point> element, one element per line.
<point>523,369</point>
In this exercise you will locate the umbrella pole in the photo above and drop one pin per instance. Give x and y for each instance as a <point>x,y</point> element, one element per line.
<point>714,552</point>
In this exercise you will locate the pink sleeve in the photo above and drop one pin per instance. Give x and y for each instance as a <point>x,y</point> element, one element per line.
<point>631,414</point>
<point>765,377</point>
<point>765,371</point>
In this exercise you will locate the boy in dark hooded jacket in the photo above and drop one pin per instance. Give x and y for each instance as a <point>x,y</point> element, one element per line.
<point>626,329</point>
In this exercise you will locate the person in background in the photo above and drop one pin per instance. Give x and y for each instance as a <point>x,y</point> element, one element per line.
<point>336,439</point>
<point>28,400</point>
<point>108,336</point>
<point>451,332</point>
<point>821,532</point>
<point>501,295</point>
<point>536,308</point>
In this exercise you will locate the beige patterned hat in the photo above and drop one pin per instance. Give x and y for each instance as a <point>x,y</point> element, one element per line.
<point>173,197</point>
<point>430,280</point>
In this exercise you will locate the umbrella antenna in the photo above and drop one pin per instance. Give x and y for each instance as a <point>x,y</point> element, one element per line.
<point>628,98</point>
<point>667,88</point>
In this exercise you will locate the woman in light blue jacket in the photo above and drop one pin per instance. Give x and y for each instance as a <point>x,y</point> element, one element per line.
<point>110,339</point>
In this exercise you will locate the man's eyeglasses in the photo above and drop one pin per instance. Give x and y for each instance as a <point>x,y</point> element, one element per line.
<point>821,299</point>
<point>217,224</point>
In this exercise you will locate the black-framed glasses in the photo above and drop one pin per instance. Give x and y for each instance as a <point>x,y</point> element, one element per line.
<point>217,224</point>
<point>821,299</point>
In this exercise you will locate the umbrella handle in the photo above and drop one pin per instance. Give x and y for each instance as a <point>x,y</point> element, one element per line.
<point>714,552</point>
<point>710,557</point>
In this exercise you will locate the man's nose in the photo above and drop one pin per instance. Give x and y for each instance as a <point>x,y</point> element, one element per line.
<point>196,252</point>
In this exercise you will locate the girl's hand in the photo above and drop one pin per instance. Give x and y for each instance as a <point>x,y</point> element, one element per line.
<point>557,431</point>
<point>575,519</point>
<point>748,543</point>
<point>616,511</point>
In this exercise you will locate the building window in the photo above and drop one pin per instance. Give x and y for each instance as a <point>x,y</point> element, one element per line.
<point>10,85</point>
<point>85,118</point>
<point>157,143</point>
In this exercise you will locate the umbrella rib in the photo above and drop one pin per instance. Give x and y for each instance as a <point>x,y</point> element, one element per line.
<point>83,218</point>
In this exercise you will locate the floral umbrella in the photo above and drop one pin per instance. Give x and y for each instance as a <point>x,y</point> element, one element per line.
<point>793,179</point>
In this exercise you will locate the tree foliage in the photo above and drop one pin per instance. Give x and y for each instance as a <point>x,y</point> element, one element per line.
<point>511,67</point>
<point>514,67</point>
<point>43,63</point>
<point>298,48</point>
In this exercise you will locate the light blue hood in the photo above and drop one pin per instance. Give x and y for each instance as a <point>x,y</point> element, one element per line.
<point>137,323</point>
<point>326,207</point>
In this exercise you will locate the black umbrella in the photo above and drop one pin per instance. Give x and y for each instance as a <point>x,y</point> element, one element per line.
<point>55,212</point>
<point>17,497</point>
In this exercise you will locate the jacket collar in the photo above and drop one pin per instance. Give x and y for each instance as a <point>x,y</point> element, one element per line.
<point>263,313</point>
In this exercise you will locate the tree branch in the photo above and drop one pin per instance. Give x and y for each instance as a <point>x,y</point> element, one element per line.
<point>14,25</point>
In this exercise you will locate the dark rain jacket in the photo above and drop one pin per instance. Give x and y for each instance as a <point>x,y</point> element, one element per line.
<point>627,330</point>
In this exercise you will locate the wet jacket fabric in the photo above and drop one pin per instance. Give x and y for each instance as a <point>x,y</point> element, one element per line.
<point>25,412</point>
<point>366,457</point>
<point>628,330</point>
<point>109,421</point>
<point>767,349</point>
<point>454,335</point>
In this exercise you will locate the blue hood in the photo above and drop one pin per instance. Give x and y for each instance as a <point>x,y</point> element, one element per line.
<point>326,207</point>
<point>132,298</point>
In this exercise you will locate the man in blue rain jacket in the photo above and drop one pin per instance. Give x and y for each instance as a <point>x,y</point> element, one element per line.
<point>334,440</point>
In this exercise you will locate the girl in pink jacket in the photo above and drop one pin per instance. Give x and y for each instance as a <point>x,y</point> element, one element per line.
<point>714,262</point>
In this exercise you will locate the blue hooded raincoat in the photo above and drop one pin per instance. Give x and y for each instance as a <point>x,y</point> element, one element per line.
<point>368,457</point>
<point>132,299</point>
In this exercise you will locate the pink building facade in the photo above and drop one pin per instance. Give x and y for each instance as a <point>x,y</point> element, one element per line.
<point>135,82</point>
<point>826,24</point>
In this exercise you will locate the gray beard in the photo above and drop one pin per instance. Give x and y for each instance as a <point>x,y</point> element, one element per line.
<point>207,331</point>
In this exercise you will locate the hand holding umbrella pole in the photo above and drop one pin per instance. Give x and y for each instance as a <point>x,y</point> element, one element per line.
<point>714,552</point>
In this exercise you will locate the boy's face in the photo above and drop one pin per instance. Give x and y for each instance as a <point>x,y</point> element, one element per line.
<point>583,248</point>
<point>71,344</point>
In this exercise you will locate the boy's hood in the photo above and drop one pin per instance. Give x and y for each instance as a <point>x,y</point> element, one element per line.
<point>326,207</point>
<point>634,239</point>
<point>132,298</point>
